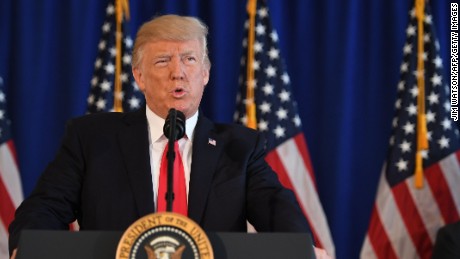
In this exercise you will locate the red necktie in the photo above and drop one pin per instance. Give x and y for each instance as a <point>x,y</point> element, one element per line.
<point>180,193</point>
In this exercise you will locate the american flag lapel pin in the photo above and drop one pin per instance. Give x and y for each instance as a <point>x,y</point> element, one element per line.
<point>211,141</point>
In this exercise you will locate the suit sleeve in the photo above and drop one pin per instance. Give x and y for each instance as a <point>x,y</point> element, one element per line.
<point>270,206</point>
<point>54,201</point>
<point>447,243</point>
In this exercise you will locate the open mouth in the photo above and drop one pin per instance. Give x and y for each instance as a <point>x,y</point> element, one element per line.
<point>178,92</point>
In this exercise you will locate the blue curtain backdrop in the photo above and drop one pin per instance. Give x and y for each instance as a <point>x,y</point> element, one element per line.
<point>343,58</point>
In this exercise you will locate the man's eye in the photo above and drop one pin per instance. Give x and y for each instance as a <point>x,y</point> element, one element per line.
<point>190,59</point>
<point>161,62</point>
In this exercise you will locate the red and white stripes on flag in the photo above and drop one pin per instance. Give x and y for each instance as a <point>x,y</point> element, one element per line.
<point>405,220</point>
<point>291,161</point>
<point>10,192</point>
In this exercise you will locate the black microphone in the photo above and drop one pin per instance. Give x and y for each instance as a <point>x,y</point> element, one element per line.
<point>174,129</point>
<point>175,121</point>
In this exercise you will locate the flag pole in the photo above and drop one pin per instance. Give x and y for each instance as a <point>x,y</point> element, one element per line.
<point>250,104</point>
<point>422,141</point>
<point>121,8</point>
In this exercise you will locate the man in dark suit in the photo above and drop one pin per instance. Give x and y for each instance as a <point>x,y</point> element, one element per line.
<point>447,245</point>
<point>106,172</point>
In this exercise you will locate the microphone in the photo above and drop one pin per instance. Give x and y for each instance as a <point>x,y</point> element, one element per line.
<point>174,129</point>
<point>175,121</point>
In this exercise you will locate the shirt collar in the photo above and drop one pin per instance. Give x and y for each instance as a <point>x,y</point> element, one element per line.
<point>156,124</point>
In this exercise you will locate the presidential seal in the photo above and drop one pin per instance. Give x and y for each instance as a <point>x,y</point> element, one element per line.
<point>164,235</point>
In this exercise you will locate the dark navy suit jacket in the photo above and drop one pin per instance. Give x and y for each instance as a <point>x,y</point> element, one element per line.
<point>101,176</point>
<point>447,245</point>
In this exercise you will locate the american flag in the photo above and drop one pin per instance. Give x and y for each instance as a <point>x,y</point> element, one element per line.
<point>102,95</point>
<point>10,182</point>
<point>405,219</point>
<point>278,119</point>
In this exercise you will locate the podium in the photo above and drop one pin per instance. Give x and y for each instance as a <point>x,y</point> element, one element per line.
<point>50,244</point>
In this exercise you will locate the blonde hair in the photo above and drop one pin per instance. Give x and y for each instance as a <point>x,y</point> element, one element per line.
<point>174,28</point>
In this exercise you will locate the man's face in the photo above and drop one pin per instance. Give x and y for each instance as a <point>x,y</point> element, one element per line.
<point>172,74</point>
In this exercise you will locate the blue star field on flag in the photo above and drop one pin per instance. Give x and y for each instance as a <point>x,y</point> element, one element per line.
<point>277,115</point>
<point>101,96</point>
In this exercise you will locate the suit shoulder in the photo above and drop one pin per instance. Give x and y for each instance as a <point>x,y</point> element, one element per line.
<point>96,119</point>
<point>239,135</point>
<point>233,128</point>
<point>229,133</point>
<point>106,121</point>
<point>98,116</point>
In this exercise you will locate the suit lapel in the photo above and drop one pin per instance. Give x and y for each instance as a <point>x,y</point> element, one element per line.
<point>206,151</point>
<point>134,146</point>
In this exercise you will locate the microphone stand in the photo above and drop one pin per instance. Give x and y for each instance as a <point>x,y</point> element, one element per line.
<point>171,155</point>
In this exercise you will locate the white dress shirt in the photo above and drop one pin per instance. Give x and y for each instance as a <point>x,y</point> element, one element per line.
<point>158,142</point>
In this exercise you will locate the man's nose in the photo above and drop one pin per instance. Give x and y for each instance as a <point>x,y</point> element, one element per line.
<point>177,69</point>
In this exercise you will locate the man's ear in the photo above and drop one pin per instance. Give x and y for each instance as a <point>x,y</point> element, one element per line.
<point>205,77</point>
<point>138,77</point>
